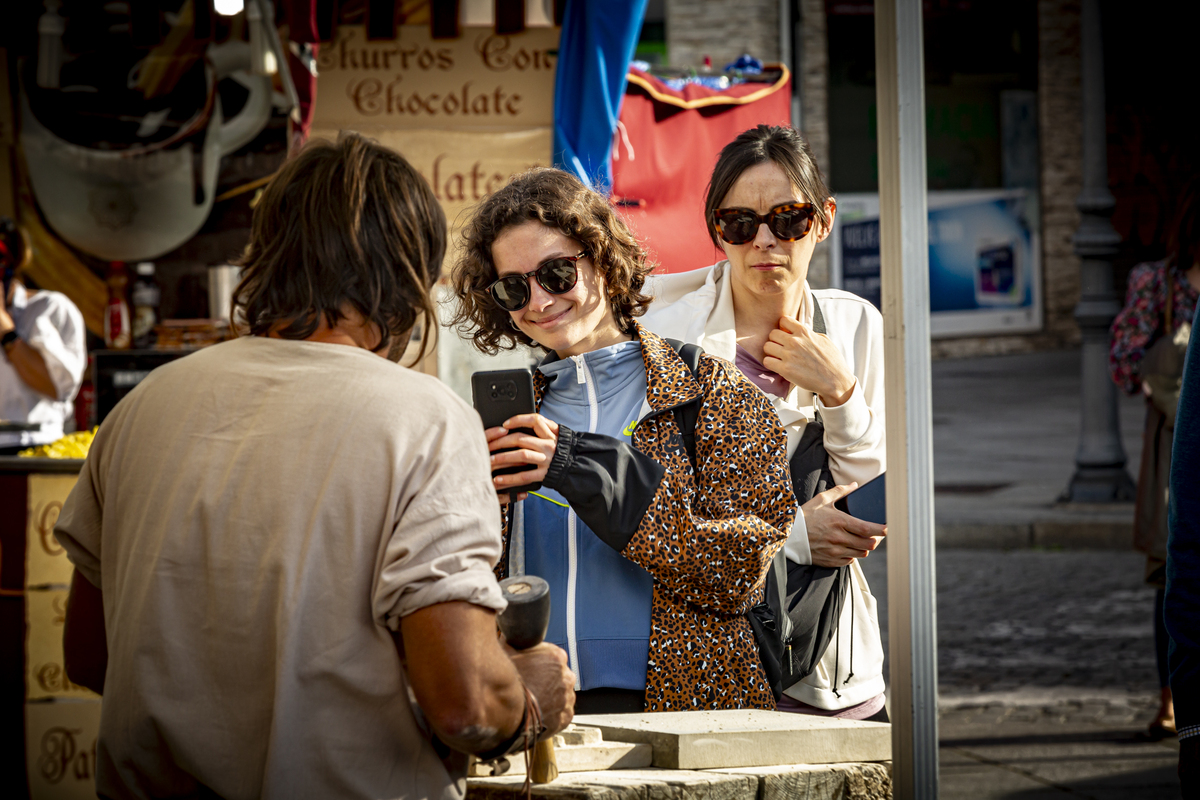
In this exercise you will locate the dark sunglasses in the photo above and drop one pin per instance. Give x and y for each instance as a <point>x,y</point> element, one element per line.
<point>556,276</point>
<point>787,223</point>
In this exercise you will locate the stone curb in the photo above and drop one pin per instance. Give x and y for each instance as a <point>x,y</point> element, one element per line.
<point>1079,534</point>
<point>1046,697</point>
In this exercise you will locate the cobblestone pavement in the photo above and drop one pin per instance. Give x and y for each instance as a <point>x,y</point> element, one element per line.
<point>1046,675</point>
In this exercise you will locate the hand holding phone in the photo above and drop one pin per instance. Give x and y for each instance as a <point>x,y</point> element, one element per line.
<point>869,501</point>
<point>501,396</point>
<point>837,534</point>
<point>527,443</point>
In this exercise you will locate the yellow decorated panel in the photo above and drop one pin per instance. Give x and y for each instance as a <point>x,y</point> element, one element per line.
<point>60,749</point>
<point>45,673</point>
<point>46,562</point>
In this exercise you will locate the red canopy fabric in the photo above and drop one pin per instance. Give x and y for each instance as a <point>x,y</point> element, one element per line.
<point>665,150</point>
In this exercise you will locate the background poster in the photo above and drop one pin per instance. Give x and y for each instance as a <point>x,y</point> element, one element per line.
<point>984,259</point>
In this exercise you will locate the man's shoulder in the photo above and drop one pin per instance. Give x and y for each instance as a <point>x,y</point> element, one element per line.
<point>322,372</point>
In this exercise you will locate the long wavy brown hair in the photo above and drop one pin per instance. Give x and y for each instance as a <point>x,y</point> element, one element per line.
<point>558,200</point>
<point>350,224</point>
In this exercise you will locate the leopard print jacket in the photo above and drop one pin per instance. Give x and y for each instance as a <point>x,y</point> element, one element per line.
<point>707,539</point>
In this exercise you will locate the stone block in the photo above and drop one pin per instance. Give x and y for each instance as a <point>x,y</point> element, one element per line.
<point>825,782</point>
<point>746,738</point>
<point>574,735</point>
<point>589,757</point>
<point>633,784</point>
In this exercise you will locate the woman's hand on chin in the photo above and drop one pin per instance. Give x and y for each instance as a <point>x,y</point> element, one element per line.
<point>809,360</point>
<point>535,450</point>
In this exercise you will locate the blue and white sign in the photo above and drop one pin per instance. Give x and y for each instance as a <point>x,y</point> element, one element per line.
<point>984,259</point>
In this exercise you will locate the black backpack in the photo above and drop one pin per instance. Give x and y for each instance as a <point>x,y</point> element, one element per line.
<point>790,644</point>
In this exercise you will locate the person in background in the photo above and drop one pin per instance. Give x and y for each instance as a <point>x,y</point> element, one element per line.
<point>654,554</point>
<point>284,544</point>
<point>45,351</point>
<point>1146,357</point>
<point>767,207</point>
<point>1181,603</point>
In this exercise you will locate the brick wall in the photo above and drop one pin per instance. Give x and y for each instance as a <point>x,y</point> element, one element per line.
<point>1062,166</point>
<point>1060,141</point>
<point>812,67</point>
<point>722,30</point>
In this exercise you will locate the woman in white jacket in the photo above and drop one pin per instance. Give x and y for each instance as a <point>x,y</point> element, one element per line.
<point>767,207</point>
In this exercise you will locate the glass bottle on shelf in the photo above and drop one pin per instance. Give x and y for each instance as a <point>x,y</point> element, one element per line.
<point>117,333</point>
<point>145,297</point>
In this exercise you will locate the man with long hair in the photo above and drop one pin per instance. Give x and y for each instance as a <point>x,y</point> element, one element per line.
<point>284,543</point>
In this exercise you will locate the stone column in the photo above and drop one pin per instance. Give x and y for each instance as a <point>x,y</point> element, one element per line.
<point>1061,181</point>
<point>1100,475</point>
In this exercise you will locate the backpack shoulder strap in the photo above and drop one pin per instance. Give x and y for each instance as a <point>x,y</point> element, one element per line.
<point>685,415</point>
<point>818,317</point>
<point>818,326</point>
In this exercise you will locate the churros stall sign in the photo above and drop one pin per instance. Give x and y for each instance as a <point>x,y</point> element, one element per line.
<point>479,80</point>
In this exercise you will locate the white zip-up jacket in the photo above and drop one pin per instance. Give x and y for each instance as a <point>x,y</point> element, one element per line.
<point>697,307</point>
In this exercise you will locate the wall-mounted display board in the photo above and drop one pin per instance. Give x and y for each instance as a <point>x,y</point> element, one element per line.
<point>985,272</point>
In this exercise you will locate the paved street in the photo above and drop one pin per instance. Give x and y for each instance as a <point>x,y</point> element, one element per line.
<point>1005,433</point>
<point>1046,672</point>
<point>1046,647</point>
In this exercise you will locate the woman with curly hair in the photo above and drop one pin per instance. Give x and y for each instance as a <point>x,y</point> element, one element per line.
<point>655,545</point>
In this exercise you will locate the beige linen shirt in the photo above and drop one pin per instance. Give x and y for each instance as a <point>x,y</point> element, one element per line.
<point>259,516</point>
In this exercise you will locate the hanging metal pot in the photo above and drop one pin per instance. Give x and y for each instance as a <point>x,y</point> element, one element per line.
<point>133,186</point>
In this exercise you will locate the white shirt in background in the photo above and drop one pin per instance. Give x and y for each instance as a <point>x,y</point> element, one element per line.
<point>52,325</point>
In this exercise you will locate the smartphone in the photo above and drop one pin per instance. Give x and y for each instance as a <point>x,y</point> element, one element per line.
<point>869,501</point>
<point>499,395</point>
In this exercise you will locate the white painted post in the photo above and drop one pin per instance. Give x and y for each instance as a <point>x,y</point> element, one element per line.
<point>904,252</point>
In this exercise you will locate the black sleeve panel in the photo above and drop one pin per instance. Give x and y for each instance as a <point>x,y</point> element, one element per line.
<point>608,483</point>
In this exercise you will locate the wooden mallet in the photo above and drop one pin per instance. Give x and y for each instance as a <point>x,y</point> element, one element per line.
<point>524,625</point>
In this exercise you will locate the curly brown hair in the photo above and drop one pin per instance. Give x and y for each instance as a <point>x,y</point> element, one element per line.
<point>558,200</point>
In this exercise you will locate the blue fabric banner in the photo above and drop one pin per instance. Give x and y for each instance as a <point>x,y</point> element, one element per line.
<point>598,41</point>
